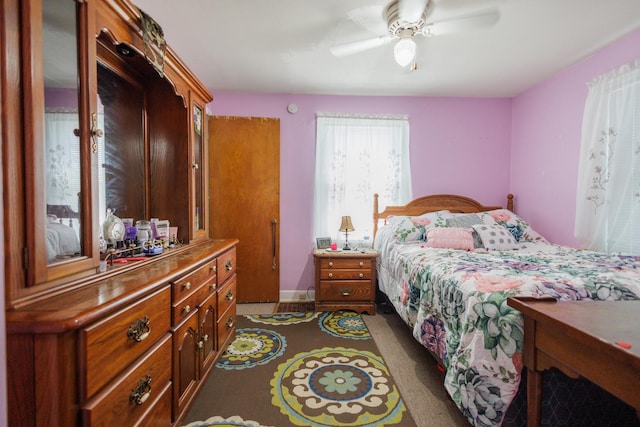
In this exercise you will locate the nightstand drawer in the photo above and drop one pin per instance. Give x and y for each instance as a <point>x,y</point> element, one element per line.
<point>345,274</point>
<point>346,290</point>
<point>347,263</point>
<point>345,281</point>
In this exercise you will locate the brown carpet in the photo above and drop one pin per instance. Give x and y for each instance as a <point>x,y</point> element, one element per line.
<point>294,307</point>
<point>306,369</point>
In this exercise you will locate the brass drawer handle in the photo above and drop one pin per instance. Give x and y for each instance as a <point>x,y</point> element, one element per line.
<point>214,286</point>
<point>142,391</point>
<point>205,338</point>
<point>228,266</point>
<point>187,285</point>
<point>361,275</point>
<point>330,263</point>
<point>345,292</point>
<point>200,344</point>
<point>140,330</point>
<point>229,296</point>
<point>330,275</point>
<point>187,308</point>
<point>361,263</point>
<point>229,322</point>
<point>212,269</point>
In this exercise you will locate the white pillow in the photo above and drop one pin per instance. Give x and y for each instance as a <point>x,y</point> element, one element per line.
<point>495,237</point>
<point>517,226</point>
<point>414,228</point>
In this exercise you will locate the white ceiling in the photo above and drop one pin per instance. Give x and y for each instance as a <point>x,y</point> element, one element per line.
<point>282,46</point>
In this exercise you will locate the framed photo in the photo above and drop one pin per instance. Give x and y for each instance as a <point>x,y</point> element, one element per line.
<point>323,242</point>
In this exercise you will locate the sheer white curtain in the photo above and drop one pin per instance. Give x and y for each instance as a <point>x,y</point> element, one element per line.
<point>357,156</point>
<point>608,193</point>
<point>62,157</point>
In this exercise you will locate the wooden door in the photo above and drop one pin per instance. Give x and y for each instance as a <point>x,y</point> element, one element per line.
<point>244,191</point>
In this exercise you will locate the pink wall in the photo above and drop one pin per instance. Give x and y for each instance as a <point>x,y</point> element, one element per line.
<point>547,121</point>
<point>458,145</point>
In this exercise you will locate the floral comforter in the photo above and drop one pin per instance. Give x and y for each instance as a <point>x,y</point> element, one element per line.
<point>456,304</point>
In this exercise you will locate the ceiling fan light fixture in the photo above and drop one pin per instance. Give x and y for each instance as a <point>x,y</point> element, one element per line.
<point>404,51</point>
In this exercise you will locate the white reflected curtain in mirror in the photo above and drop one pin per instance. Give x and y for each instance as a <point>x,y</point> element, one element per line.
<point>62,157</point>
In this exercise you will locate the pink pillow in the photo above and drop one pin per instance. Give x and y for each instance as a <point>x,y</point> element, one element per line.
<point>450,238</point>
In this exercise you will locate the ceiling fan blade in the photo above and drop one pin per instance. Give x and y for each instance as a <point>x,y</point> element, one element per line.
<point>359,46</point>
<point>411,10</point>
<point>487,18</point>
<point>368,17</point>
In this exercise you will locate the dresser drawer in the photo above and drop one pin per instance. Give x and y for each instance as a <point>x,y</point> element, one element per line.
<point>226,265</point>
<point>349,263</point>
<point>346,290</point>
<point>110,345</point>
<point>345,274</point>
<point>181,309</point>
<point>159,413</point>
<point>226,326</point>
<point>227,295</point>
<point>133,394</point>
<point>189,283</point>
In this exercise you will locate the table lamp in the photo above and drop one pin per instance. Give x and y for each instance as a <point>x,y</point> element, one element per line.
<point>346,227</point>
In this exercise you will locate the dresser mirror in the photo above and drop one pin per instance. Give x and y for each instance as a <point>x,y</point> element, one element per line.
<point>198,158</point>
<point>121,159</point>
<point>119,141</point>
<point>62,164</point>
<point>97,127</point>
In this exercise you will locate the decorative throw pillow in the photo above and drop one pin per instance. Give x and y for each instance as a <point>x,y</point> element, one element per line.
<point>517,226</point>
<point>450,238</point>
<point>495,237</point>
<point>413,228</point>
<point>467,220</point>
<point>464,220</point>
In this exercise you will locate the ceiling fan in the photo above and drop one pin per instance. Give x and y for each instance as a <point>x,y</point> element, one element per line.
<point>407,19</point>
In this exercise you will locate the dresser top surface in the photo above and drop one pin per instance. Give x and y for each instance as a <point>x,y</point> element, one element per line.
<point>111,292</point>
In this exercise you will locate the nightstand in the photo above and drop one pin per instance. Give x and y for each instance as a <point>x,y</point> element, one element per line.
<point>346,280</point>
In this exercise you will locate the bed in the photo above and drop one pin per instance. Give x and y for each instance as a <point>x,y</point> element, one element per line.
<point>62,233</point>
<point>448,264</point>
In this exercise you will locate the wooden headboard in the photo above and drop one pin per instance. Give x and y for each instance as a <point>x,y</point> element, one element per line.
<point>433,203</point>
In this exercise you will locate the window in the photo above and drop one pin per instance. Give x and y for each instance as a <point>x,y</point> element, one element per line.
<point>608,196</point>
<point>357,156</point>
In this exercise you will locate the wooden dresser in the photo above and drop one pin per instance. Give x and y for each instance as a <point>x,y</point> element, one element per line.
<point>133,348</point>
<point>346,280</point>
<point>100,114</point>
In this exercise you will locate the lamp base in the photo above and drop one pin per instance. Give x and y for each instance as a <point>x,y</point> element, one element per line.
<point>346,248</point>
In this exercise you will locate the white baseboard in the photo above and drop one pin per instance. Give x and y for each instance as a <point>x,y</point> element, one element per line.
<point>297,295</point>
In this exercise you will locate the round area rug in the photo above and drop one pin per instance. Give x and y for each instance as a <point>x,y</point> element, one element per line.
<point>225,422</point>
<point>284,318</point>
<point>252,347</point>
<point>344,324</point>
<point>336,386</point>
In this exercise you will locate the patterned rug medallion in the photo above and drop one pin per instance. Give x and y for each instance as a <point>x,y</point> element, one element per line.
<point>300,369</point>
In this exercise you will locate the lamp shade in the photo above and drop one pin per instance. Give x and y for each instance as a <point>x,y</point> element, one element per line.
<point>404,51</point>
<point>346,224</point>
